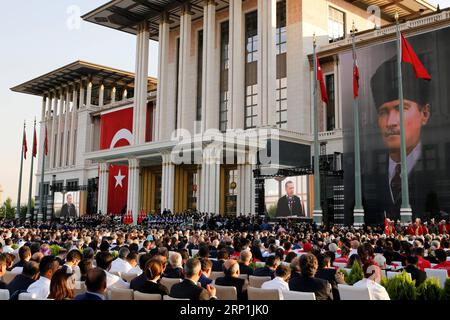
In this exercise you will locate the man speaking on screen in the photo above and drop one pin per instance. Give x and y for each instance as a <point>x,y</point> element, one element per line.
<point>289,204</point>
<point>68,210</point>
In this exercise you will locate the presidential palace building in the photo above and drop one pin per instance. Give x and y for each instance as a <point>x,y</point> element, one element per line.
<point>234,88</point>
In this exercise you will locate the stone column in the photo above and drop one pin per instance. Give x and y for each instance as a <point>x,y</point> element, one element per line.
<point>101,96</point>
<point>113,95</point>
<point>210,183</point>
<point>73,118</point>
<point>133,188</point>
<point>267,23</point>
<point>65,130</point>
<point>53,131</point>
<point>58,129</point>
<point>168,183</point>
<point>162,114</point>
<point>140,83</point>
<point>236,76</point>
<point>103,188</point>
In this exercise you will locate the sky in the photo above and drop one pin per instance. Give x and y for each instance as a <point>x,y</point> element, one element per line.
<point>39,36</point>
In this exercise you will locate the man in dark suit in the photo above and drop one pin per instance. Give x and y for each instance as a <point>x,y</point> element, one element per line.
<point>289,204</point>
<point>328,273</point>
<point>141,279</point>
<point>416,274</point>
<point>174,270</point>
<point>188,289</point>
<point>95,285</point>
<point>246,258</point>
<point>68,210</point>
<point>221,257</point>
<point>231,279</point>
<point>268,270</point>
<point>417,113</point>
<point>307,282</point>
<point>21,282</point>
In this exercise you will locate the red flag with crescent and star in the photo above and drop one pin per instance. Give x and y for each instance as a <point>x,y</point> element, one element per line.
<point>24,144</point>
<point>320,78</point>
<point>116,131</point>
<point>34,143</point>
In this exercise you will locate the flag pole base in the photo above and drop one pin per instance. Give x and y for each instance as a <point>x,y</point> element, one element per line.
<point>358,217</point>
<point>405,216</point>
<point>318,217</point>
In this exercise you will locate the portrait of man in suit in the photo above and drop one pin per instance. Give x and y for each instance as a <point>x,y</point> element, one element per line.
<point>68,210</point>
<point>289,204</point>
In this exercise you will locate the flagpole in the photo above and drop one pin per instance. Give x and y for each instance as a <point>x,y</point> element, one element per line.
<point>17,216</point>
<point>41,212</point>
<point>405,211</point>
<point>358,211</point>
<point>29,213</point>
<point>317,214</point>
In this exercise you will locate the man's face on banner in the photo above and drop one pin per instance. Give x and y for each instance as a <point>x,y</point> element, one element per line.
<point>290,188</point>
<point>415,117</point>
<point>69,199</point>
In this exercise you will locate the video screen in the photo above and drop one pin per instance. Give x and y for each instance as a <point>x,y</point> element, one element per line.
<point>67,205</point>
<point>286,197</point>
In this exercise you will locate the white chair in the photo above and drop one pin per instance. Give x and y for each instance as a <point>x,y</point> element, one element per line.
<point>226,293</point>
<point>146,296</point>
<point>216,274</point>
<point>439,274</point>
<point>129,276</point>
<point>194,252</point>
<point>263,294</point>
<point>347,292</point>
<point>392,274</point>
<point>9,276</point>
<point>28,296</point>
<point>448,258</point>
<point>296,295</point>
<point>120,294</point>
<point>170,298</point>
<point>4,294</point>
<point>340,265</point>
<point>256,282</point>
<point>168,282</point>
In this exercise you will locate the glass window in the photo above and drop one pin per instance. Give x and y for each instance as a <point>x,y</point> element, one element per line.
<point>329,80</point>
<point>336,24</point>
<point>281,27</point>
<point>251,30</point>
<point>199,74</point>
<point>251,107</point>
<point>281,103</point>
<point>224,66</point>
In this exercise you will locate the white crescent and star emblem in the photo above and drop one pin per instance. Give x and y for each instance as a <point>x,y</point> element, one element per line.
<point>124,134</point>
<point>119,178</point>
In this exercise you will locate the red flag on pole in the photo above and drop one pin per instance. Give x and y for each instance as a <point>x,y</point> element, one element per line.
<point>45,141</point>
<point>355,80</point>
<point>409,56</point>
<point>34,143</point>
<point>323,89</point>
<point>24,144</point>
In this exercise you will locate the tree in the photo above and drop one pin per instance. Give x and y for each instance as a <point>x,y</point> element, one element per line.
<point>9,209</point>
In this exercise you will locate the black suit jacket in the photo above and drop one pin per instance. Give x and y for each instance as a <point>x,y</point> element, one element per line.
<point>20,282</point>
<point>153,288</point>
<point>243,269</point>
<point>68,211</point>
<point>416,274</point>
<point>87,297</point>
<point>138,282</point>
<point>330,276</point>
<point>238,283</point>
<point>283,207</point>
<point>320,287</point>
<point>172,273</point>
<point>263,272</point>
<point>217,265</point>
<point>188,290</point>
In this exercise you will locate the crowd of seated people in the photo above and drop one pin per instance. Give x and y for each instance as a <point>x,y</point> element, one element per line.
<point>49,259</point>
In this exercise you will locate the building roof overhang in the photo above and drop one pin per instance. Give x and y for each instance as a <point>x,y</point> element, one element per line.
<point>74,72</point>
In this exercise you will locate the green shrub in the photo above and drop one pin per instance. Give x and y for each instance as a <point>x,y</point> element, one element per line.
<point>429,290</point>
<point>355,275</point>
<point>445,293</point>
<point>54,248</point>
<point>400,287</point>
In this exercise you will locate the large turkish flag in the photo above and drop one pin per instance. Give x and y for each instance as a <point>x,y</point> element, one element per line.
<point>116,131</point>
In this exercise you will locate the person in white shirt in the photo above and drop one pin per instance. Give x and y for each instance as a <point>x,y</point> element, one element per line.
<point>104,261</point>
<point>73,258</point>
<point>132,260</point>
<point>7,248</point>
<point>121,264</point>
<point>280,282</point>
<point>372,282</point>
<point>41,287</point>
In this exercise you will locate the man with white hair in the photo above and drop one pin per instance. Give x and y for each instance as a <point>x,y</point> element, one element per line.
<point>231,279</point>
<point>121,264</point>
<point>372,278</point>
<point>175,268</point>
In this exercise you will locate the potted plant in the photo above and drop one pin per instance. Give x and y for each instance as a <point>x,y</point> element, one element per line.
<point>445,293</point>
<point>400,287</point>
<point>356,274</point>
<point>429,290</point>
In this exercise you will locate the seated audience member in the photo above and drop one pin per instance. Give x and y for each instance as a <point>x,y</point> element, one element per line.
<point>153,272</point>
<point>280,282</point>
<point>174,270</point>
<point>121,264</point>
<point>84,266</point>
<point>188,289</point>
<point>380,260</point>
<point>372,278</point>
<point>329,273</point>
<point>307,281</point>
<point>206,272</point>
<point>104,261</point>
<point>441,257</point>
<point>422,264</point>
<point>41,287</point>
<point>96,280</point>
<point>256,250</point>
<point>412,268</point>
<point>61,285</point>
<point>295,268</point>
<point>141,278</point>
<point>244,262</point>
<point>7,248</point>
<point>73,258</point>
<point>3,265</point>
<point>146,247</point>
<point>290,256</point>
<point>268,270</point>
<point>343,258</point>
<point>354,258</point>
<point>24,257</point>
<point>132,259</point>
<point>10,258</point>
<point>21,282</point>
<point>231,279</point>
<point>222,255</point>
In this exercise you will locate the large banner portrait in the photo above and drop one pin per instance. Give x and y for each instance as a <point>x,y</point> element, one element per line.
<point>427,128</point>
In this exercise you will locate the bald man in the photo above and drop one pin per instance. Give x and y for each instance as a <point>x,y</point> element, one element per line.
<point>231,279</point>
